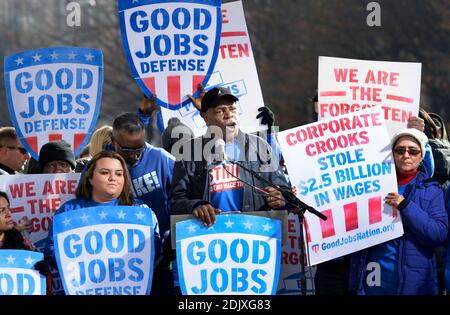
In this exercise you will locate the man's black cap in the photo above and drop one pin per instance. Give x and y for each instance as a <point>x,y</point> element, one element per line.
<point>213,97</point>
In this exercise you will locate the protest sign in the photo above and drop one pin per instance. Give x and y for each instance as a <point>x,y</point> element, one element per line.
<point>343,167</point>
<point>348,85</point>
<point>17,273</point>
<point>105,250</point>
<point>171,45</point>
<point>236,69</point>
<point>240,254</point>
<point>54,94</point>
<point>37,197</point>
<point>289,282</point>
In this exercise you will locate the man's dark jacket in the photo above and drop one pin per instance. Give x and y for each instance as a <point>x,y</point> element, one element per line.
<point>190,183</point>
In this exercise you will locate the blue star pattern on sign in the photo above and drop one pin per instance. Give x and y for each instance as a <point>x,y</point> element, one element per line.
<point>84,217</point>
<point>12,258</point>
<point>121,214</point>
<point>236,223</point>
<point>66,222</point>
<point>140,215</point>
<point>102,215</point>
<point>53,55</point>
<point>29,260</point>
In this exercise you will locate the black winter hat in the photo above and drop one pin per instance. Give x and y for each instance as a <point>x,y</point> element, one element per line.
<point>56,151</point>
<point>168,139</point>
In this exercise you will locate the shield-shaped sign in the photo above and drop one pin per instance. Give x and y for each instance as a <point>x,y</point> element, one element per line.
<point>17,273</point>
<point>171,46</point>
<point>240,254</point>
<point>105,250</point>
<point>54,94</point>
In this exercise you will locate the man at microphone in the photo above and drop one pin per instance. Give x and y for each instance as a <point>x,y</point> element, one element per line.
<point>205,182</point>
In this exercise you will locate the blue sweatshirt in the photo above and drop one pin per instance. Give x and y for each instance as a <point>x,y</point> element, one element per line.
<point>151,178</point>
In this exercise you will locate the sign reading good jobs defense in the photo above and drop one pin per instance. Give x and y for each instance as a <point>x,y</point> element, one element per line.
<point>235,69</point>
<point>105,250</point>
<point>54,94</point>
<point>348,85</point>
<point>171,45</point>
<point>343,167</point>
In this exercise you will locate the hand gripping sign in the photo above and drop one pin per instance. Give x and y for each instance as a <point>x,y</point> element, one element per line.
<point>240,254</point>
<point>171,46</point>
<point>17,273</point>
<point>105,250</point>
<point>54,94</point>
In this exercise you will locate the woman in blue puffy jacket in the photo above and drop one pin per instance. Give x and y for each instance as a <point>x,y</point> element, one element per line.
<point>407,264</point>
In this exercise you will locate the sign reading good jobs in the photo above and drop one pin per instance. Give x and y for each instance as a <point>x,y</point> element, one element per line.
<point>240,254</point>
<point>343,167</point>
<point>171,45</point>
<point>17,273</point>
<point>235,69</point>
<point>54,94</point>
<point>348,85</point>
<point>105,250</point>
<point>37,197</point>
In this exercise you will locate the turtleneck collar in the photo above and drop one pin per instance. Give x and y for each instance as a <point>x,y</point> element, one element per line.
<point>404,178</point>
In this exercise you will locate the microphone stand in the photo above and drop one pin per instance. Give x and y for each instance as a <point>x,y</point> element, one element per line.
<point>296,203</point>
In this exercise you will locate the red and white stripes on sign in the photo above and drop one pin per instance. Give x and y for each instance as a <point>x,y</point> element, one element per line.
<point>169,88</point>
<point>351,217</point>
<point>35,144</point>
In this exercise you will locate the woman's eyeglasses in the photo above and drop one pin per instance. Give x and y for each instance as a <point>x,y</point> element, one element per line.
<point>411,151</point>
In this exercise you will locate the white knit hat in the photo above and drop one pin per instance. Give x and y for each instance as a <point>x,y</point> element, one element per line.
<point>416,134</point>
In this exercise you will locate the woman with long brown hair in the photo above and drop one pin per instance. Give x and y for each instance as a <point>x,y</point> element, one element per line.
<point>105,183</point>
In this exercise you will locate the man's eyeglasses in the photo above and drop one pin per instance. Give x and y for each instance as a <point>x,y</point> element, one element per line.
<point>130,151</point>
<point>412,151</point>
<point>22,150</point>
<point>3,210</point>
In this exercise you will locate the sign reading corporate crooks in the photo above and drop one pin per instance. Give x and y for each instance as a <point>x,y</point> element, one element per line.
<point>105,250</point>
<point>171,46</point>
<point>54,94</point>
<point>17,273</point>
<point>240,254</point>
<point>343,167</point>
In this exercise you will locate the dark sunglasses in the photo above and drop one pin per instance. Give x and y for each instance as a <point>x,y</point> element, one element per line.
<point>21,149</point>
<point>411,151</point>
<point>130,150</point>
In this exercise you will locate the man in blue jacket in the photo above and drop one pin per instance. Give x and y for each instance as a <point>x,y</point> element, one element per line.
<point>151,176</point>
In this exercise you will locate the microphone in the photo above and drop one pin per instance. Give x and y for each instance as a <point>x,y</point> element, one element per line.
<point>220,151</point>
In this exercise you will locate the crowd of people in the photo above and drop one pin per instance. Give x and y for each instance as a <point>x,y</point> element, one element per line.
<point>176,174</point>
